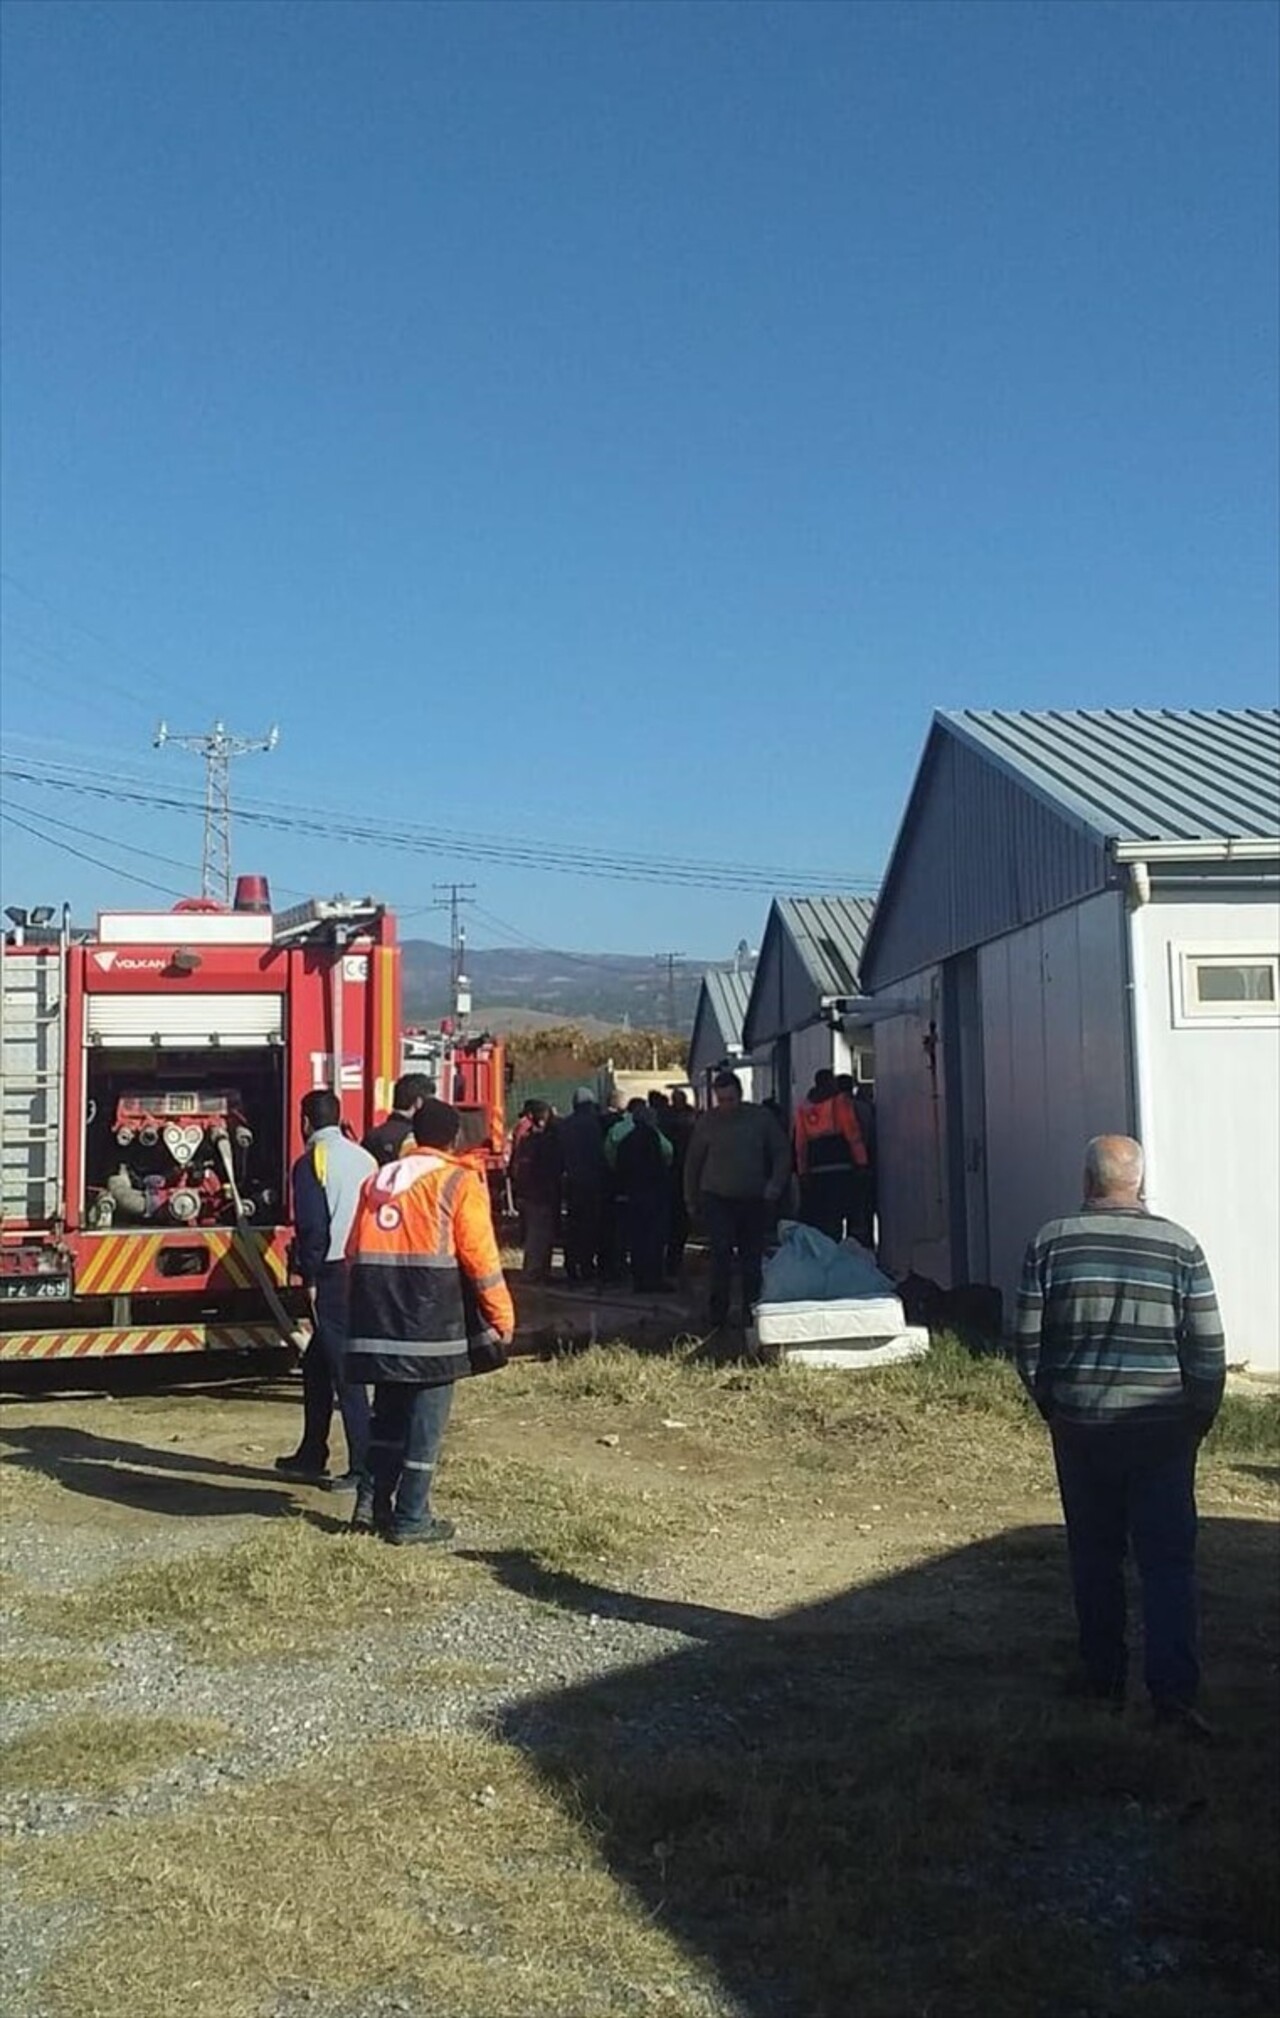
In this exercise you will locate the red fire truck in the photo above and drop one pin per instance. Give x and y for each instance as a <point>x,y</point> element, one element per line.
<point>150,1080</point>
<point>470,1073</point>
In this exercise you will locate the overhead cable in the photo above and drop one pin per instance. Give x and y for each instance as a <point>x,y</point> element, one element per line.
<point>412,839</point>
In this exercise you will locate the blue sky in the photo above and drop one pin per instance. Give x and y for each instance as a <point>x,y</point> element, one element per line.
<point>620,426</point>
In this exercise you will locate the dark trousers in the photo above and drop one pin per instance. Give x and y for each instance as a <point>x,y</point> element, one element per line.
<point>1132,1484</point>
<point>404,1447</point>
<point>582,1207</point>
<point>645,1220</point>
<point>827,1201</point>
<point>541,1224</point>
<point>677,1232</point>
<point>736,1227</point>
<point>323,1380</point>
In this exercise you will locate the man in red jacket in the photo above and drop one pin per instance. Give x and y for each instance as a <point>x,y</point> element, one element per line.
<point>830,1152</point>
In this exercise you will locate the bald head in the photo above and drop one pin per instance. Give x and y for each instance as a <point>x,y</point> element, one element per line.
<point>1113,1168</point>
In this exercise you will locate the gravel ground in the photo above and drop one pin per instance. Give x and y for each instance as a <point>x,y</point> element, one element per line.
<point>280,1714</point>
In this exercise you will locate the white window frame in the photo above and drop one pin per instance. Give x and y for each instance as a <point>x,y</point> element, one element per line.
<point>1189,1013</point>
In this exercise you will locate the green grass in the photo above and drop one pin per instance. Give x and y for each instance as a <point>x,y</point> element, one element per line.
<point>41,1674</point>
<point>577,1526</point>
<point>1248,1426</point>
<point>91,1754</point>
<point>288,1589</point>
<point>441,1869</point>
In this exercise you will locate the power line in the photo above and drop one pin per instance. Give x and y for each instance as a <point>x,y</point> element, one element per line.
<point>105,840</point>
<point>51,841</point>
<point>553,858</point>
<point>95,637</point>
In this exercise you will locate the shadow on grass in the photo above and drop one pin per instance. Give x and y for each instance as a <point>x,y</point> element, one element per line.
<point>878,1804</point>
<point>152,1479</point>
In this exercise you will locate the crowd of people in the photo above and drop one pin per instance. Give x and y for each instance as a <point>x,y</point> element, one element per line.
<point>1119,1338</point>
<point>618,1191</point>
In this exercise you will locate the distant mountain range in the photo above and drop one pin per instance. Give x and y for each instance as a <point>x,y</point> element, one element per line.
<point>617,990</point>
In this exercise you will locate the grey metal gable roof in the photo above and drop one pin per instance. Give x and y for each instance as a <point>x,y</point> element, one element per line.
<point>728,995</point>
<point>1143,774</point>
<point>1013,816</point>
<point>811,952</point>
<point>829,934</point>
<point>718,1019</point>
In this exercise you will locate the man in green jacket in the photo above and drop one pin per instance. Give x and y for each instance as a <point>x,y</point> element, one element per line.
<point>737,1168</point>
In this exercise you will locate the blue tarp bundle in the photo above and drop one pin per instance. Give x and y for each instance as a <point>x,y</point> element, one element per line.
<point>809,1268</point>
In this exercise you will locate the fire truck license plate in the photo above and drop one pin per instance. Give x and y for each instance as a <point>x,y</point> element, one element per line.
<point>34,1288</point>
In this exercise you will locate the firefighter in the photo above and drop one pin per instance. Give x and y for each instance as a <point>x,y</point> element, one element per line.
<point>387,1141</point>
<point>830,1157</point>
<point>326,1188</point>
<point>428,1304</point>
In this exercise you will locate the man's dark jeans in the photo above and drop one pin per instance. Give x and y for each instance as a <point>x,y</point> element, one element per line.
<point>1133,1483</point>
<point>645,1220</point>
<point>404,1445</point>
<point>541,1228</point>
<point>582,1215</point>
<point>323,1377</point>
<point>735,1226</point>
<point>827,1201</point>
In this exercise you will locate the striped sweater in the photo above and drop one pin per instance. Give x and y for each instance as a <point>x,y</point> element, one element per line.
<point>1118,1321</point>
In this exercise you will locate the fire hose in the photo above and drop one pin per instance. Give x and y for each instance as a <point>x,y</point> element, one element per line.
<point>289,1332</point>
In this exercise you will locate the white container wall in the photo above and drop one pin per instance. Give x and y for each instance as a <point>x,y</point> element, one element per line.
<point>1212,1036</point>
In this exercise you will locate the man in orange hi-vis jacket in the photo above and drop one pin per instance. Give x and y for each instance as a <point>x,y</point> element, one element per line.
<point>829,1152</point>
<point>428,1304</point>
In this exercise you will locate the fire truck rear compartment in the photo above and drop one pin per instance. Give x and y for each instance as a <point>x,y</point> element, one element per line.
<point>153,1119</point>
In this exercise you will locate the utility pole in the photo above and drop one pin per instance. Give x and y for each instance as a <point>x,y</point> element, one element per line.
<point>457,895</point>
<point>217,748</point>
<point>670,961</point>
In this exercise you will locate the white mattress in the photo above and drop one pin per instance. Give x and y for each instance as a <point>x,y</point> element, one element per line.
<point>911,1343</point>
<point>846,1318</point>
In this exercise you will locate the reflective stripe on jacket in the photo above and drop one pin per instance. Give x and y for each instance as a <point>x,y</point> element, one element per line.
<point>425,1271</point>
<point>828,1136</point>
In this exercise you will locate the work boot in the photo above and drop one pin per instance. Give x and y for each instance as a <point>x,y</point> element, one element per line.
<point>434,1530</point>
<point>362,1520</point>
<point>347,1481</point>
<point>300,1464</point>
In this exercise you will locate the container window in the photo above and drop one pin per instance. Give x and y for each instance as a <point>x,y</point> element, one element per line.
<point>1228,987</point>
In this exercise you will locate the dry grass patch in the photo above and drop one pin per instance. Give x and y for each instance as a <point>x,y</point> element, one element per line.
<point>574,1525</point>
<point>288,1589</point>
<point>41,1674</point>
<point>446,1674</point>
<point>91,1754</point>
<point>441,1868</point>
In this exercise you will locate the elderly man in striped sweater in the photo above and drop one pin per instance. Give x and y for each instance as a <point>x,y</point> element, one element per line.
<point>1120,1346</point>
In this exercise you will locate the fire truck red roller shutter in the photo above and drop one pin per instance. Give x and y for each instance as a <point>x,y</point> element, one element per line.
<point>185,1021</point>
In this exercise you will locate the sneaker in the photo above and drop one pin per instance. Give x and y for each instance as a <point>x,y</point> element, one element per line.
<point>1187,1722</point>
<point>299,1464</point>
<point>436,1530</point>
<point>347,1481</point>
